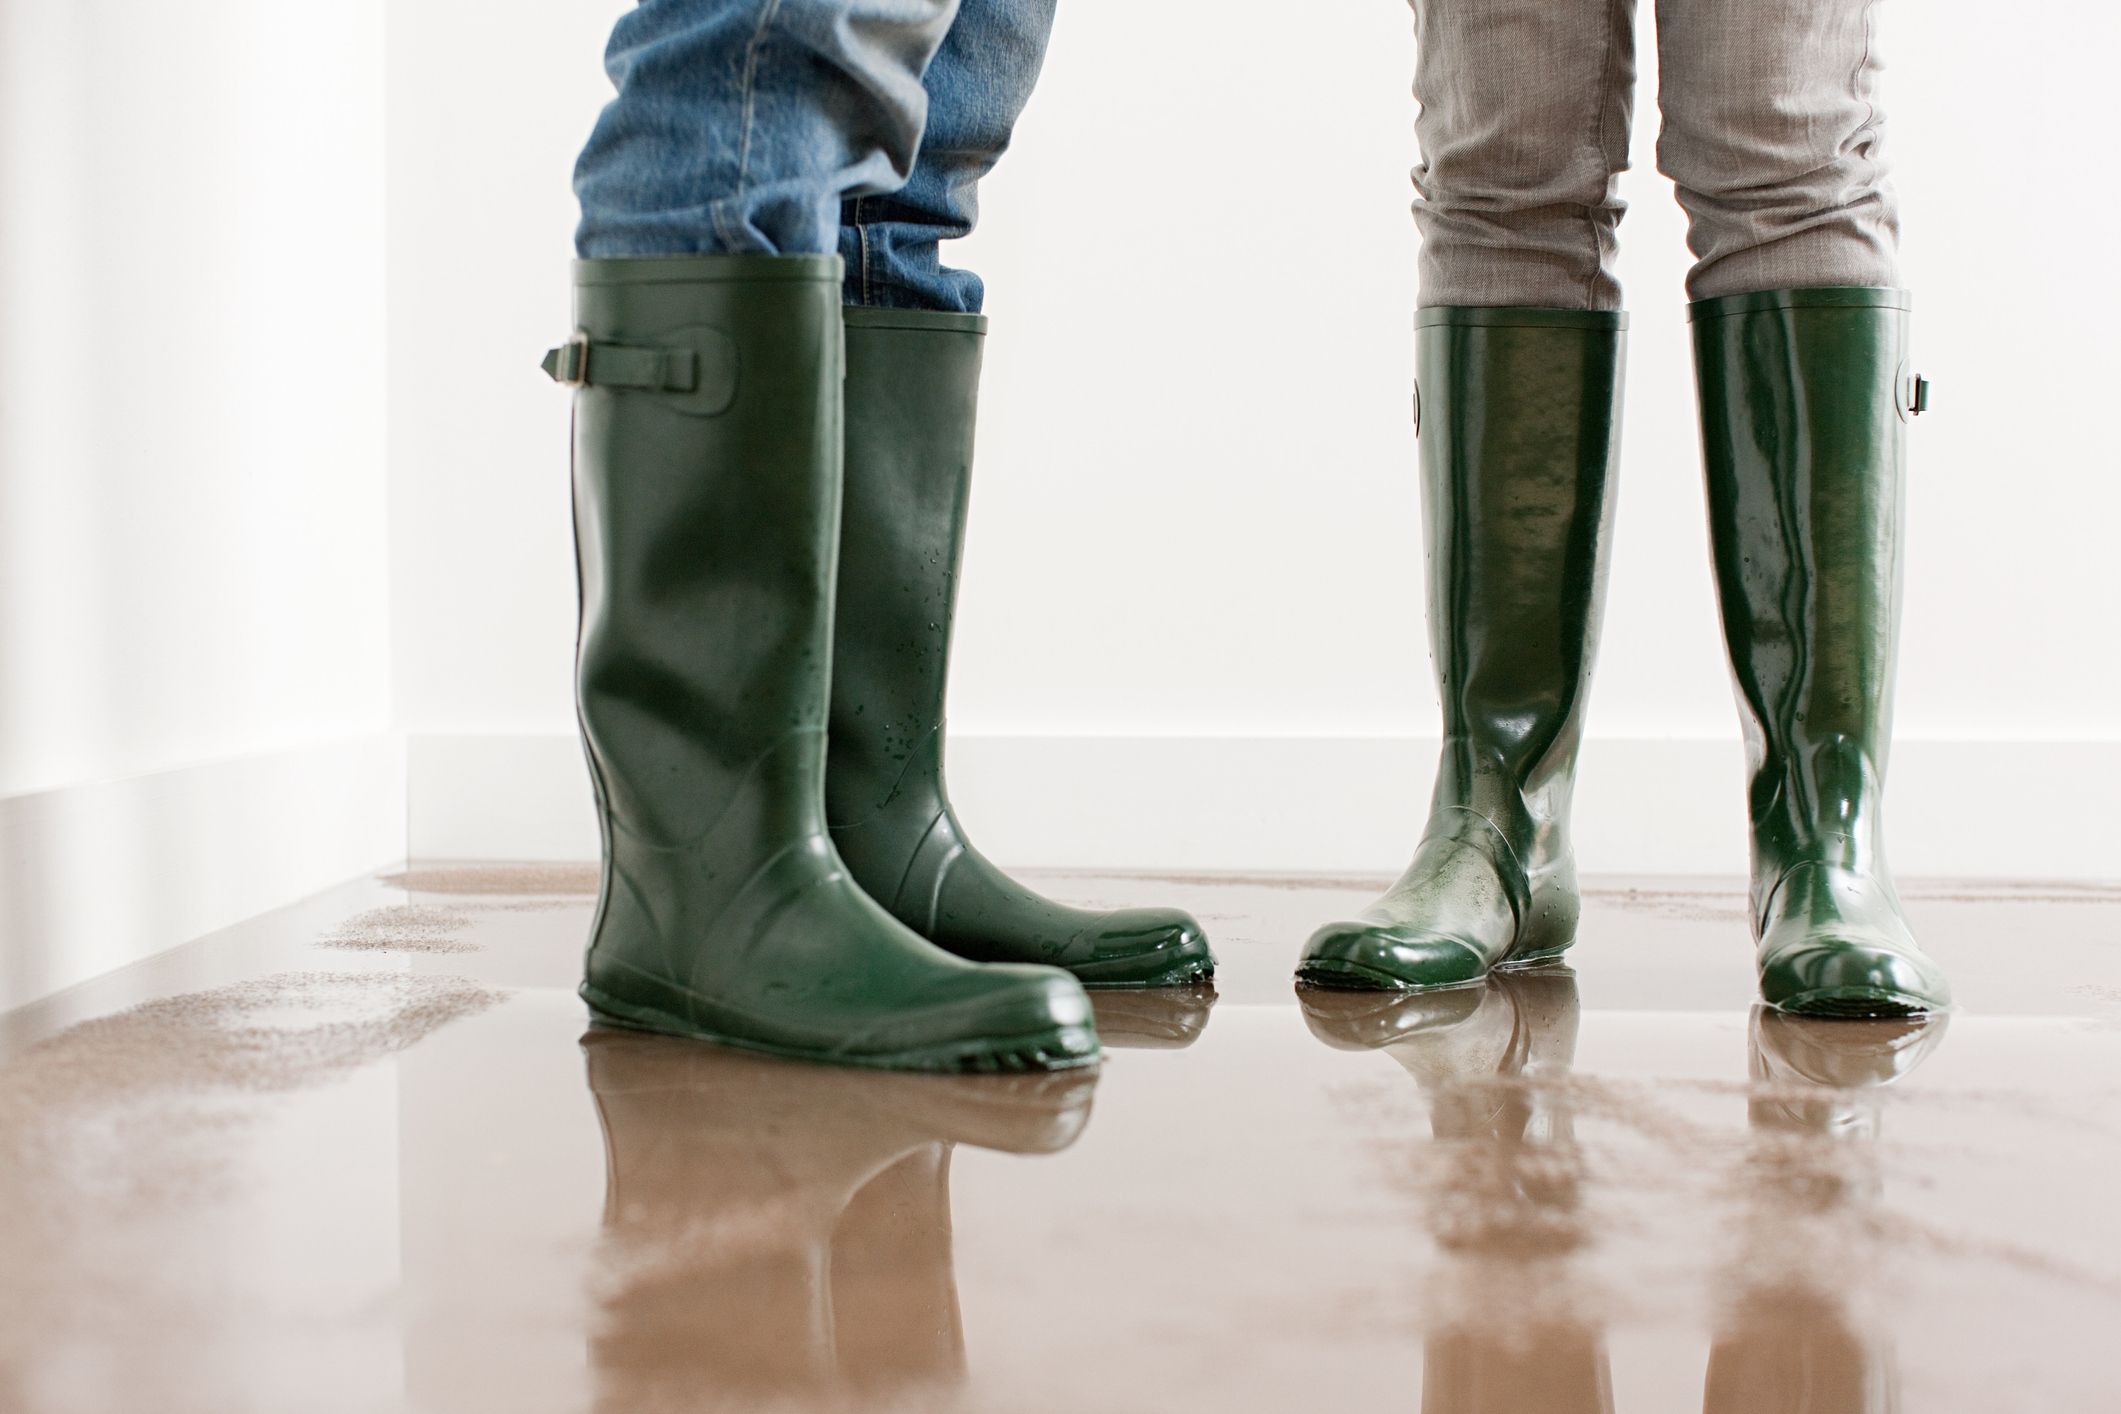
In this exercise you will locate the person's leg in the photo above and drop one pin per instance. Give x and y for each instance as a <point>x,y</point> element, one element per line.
<point>913,364</point>
<point>1772,136</point>
<point>1525,108</point>
<point>708,489</point>
<point>740,126</point>
<point>1519,355</point>
<point>977,87</point>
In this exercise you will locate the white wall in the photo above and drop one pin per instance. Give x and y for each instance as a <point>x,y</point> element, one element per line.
<point>481,232</point>
<point>1195,516</point>
<point>193,570</point>
<point>279,480</point>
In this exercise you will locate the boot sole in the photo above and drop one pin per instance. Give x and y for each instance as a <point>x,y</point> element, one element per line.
<point>1187,975</point>
<point>1354,977</point>
<point>1055,1048</point>
<point>1855,1002</point>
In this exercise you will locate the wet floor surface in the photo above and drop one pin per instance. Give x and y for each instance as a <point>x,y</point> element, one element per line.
<point>366,1155</point>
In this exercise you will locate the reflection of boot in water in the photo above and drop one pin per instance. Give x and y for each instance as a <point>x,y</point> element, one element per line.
<point>775,1230</point>
<point>1501,1185</point>
<point>1789,1343</point>
<point>1153,1019</point>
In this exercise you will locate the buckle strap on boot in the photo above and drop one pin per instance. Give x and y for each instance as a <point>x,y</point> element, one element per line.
<point>582,362</point>
<point>694,367</point>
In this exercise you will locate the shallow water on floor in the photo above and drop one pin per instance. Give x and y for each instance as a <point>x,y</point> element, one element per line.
<point>367,1154</point>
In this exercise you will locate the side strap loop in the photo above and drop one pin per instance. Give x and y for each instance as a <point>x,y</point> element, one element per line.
<point>582,362</point>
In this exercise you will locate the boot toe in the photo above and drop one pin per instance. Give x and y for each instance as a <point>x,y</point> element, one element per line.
<point>1142,947</point>
<point>1845,977</point>
<point>1365,956</point>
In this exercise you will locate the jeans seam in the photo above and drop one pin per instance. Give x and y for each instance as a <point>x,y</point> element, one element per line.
<point>861,238</point>
<point>751,72</point>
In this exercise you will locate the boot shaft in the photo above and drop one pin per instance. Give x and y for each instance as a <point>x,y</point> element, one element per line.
<point>707,450</point>
<point>912,395</point>
<point>1519,421</point>
<point>1804,406</point>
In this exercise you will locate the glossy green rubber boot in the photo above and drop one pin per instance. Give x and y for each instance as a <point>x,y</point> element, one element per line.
<point>707,489</point>
<point>1805,399</point>
<point>912,387</point>
<point>1520,424</point>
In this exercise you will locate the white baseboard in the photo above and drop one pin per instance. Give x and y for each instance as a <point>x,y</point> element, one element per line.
<point>96,876</point>
<point>1967,809</point>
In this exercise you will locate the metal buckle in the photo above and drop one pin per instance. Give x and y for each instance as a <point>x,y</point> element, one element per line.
<point>569,363</point>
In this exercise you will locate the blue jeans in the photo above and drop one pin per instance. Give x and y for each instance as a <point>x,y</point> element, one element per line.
<point>802,127</point>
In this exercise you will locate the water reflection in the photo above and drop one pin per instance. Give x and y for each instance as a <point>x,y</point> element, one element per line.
<point>1793,1336</point>
<point>1154,1019</point>
<point>1501,1187</point>
<point>1516,1314</point>
<point>777,1232</point>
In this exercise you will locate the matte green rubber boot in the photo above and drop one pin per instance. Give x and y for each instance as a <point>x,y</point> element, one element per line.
<point>707,481</point>
<point>912,387</point>
<point>1805,398</point>
<point>1520,424</point>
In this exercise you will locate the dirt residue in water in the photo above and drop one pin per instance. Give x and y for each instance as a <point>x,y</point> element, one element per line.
<point>490,880</point>
<point>276,1033</point>
<point>1689,905</point>
<point>119,1134</point>
<point>134,1108</point>
<point>2010,892</point>
<point>404,927</point>
<point>1286,883</point>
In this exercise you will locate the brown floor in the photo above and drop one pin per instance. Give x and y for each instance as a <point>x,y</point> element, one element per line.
<point>361,1155</point>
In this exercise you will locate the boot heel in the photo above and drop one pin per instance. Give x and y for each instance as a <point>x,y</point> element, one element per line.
<point>1549,928</point>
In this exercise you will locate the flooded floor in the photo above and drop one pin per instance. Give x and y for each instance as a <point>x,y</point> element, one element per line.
<point>365,1154</point>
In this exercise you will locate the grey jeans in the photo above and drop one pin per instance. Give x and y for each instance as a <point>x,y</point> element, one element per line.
<point>1771,135</point>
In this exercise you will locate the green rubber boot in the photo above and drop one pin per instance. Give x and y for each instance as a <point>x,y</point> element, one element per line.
<point>1805,398</point>
<point>707,486</point>
<point>912,387</point>
<point>1520,414</point>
